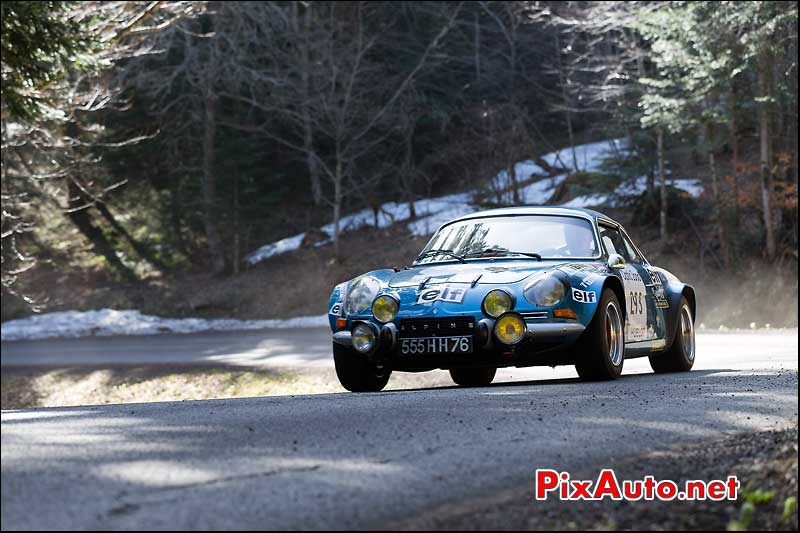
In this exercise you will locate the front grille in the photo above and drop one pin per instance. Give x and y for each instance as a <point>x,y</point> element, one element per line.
<point>436,327</point>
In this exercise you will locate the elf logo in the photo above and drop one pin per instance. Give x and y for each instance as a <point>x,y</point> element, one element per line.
<point>453,295</point>
<point>584,297</point>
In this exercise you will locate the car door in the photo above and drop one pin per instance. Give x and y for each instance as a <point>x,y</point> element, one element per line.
<point>655,297</point>
<point>644,319</point>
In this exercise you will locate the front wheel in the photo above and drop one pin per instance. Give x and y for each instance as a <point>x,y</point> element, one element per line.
<point>356,374</point>
<point>600,352</point>
<point>472,377</point>
<point>680,356</point>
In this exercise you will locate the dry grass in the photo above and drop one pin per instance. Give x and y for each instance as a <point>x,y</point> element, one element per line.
<point>28,387</point>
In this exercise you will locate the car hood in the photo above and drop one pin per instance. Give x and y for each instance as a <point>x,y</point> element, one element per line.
<point>486,272</point>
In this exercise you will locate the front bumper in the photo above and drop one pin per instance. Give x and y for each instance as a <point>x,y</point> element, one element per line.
<point>545,343</point>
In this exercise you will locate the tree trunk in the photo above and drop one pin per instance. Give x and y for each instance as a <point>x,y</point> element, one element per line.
<point>237,249</point>
<point>766,165</point>
<point>337,203</point>
<point>477,49</point>
<point>409,170</point>
<point>512,175</point>
<point>140,248</point>
<point>176,208</point>
<point>662,179</point>
<point>712,166</point>
<point>735,156</point>
<point>567,103</point>
<point>308,132</point>
<point>78,213</point>
<point>215,249</point>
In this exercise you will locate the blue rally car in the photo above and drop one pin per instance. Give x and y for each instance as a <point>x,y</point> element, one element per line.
<point>519,286</point>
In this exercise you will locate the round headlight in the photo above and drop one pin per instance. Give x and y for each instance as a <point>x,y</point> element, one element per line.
<point>384,308</point>
<point>361,293</point>
<point>496,303</point>
<point>510,328</point>
<point>364,338</point>
<point>546,291</point>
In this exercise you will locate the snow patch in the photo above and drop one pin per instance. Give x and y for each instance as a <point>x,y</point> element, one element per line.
<point>433,212</point>
<point>693,188</point>
<point>279,247</point>
<point>107,322</point>
<point>587,200</point>
<point>540,192</point>
<point>523,170</point>
<point>588,157</point>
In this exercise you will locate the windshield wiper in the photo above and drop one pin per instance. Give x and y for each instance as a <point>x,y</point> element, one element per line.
<point>439,251</point>
<point>497,252</point>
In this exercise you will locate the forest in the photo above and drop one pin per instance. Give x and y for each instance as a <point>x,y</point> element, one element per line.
<point>149,147</point>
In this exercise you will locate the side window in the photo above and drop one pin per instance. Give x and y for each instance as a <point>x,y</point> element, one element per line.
<point>614,243</point>
<point>635,258</point>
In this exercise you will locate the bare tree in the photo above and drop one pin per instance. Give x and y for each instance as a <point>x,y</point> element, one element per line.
<point>185,94</point>
<point>52,157</point>
<point>335,107</point>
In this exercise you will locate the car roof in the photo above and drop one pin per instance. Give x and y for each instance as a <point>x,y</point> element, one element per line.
<point>590,214</point>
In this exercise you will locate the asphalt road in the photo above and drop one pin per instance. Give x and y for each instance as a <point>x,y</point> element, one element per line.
<point>312,348</point>
<point>277,347</point>
<point>360,461</point>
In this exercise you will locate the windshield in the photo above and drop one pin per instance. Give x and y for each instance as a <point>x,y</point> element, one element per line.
<point>523,236</point>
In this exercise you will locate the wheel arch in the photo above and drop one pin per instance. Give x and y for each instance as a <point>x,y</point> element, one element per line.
<point>613,283</point>
<point>688,293</point>
<point>673,312</point>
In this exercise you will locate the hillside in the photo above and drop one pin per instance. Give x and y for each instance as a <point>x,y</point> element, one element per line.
<point>294,276</point>
<point>238,159</point>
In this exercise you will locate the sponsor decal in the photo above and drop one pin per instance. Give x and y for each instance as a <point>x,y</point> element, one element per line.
<point>658,290</point>
<point>335,309</point>
<point>584,297</point>
<point>582,266</point>
<point>574,268</point>
<point>589,279</point>
<point>636,304</point>
<point>449,294</point>
<point>341,291</point>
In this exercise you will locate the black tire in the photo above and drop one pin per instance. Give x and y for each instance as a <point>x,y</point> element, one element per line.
<point>356,374</point>
<point>473,377</point>
<point>681,353</point>
<point>594,358</point>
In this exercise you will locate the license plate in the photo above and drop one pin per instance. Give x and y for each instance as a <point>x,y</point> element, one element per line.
<point>428,345</point>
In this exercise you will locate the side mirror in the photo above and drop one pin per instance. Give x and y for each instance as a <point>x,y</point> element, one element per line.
<point>616,261</point>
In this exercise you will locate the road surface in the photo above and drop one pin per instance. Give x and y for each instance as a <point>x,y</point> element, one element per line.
<point>312,348</point>
<point>357,461</point>
<point>277,347</point>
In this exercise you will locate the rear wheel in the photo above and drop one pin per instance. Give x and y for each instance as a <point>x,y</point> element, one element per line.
<point>356,374</point>
<point>600,352</point>
<point>680,356</point>
<point>472,377</point>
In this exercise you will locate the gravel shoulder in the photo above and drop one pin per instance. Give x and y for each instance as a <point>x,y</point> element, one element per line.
<point>765,463</point>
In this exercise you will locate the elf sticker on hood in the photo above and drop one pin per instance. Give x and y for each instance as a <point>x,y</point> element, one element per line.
<point>450,294</point>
